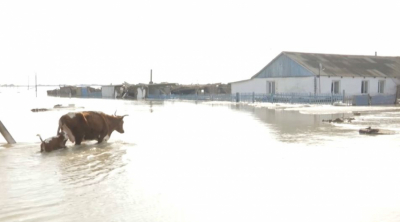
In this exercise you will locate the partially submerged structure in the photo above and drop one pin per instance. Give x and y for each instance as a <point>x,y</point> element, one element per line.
<point>90,92</point>
<point>215,88</point>
<point>68,91</point>
<point>158,89</point>
<point>54,92</point>
<point>137,92</point>
<point>75,91</point>
<point>113,91</point>
<point>141,91</point>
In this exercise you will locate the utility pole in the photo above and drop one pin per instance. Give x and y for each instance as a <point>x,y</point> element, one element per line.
<point>151,76</point>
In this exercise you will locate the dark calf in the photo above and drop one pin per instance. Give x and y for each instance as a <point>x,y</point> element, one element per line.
<point>53,143</point>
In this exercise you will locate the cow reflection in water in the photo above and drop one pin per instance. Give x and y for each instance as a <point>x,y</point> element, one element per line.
<point>89,125</point>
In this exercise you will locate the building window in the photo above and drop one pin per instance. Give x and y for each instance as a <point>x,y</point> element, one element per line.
<point>271,87</point>
<point>364,86</point>
<point>381,86</point>
<point>335,87</point>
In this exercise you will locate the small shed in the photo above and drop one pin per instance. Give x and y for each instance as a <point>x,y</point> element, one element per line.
<point>113,91</point>
<point>138,91</point>
<point>68,91</point>
<point>90,92</point>
<point>54,92</point>
<point>160,89</point>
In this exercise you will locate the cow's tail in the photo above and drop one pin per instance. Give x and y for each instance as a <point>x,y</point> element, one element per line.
<point>40,137</point>
<point>85,120</point>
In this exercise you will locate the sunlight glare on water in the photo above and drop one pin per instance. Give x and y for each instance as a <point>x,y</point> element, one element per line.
<point>187,161</point>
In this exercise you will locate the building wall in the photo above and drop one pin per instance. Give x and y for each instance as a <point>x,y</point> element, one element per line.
<point>84,92</point>
<point>108,92</point>
<point>352,86</point>
<point>78,91</point>
<point>283,66</point>
<point>282,85</point>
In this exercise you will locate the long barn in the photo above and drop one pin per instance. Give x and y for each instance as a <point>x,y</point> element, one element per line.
<point>295,72</point>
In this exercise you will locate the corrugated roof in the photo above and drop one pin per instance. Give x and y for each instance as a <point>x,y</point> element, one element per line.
<point>348,65</point>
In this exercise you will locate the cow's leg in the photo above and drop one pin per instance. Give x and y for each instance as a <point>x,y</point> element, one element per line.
<point>78,140</point>
<point>62,144</point>
<point>100,139</point>
<point>103,137</point>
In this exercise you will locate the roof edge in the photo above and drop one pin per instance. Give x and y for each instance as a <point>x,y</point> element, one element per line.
<point>276,57</point>
<point>301,64</point>
<point>353,55</point>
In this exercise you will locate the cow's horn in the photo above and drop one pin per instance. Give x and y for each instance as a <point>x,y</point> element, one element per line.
<point>115,113</point>
<point>125,115</point>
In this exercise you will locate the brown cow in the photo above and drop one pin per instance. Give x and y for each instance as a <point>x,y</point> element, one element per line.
<point>90,125</point>
<point>53,143</point>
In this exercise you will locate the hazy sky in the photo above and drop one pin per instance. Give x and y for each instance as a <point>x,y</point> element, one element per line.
<point>182,41</point>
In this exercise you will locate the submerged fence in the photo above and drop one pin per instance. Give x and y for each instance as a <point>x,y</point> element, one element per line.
<point>254,97</point>
<point>291,98</point>
<point>299,98</point>
<point>201,97</point>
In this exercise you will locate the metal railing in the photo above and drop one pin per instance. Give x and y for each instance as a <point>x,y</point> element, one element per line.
<point>199,97</point>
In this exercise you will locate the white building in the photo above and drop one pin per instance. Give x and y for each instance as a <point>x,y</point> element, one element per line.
<point>293,72</point>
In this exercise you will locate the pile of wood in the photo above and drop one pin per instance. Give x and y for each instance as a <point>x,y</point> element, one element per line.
<point>338,120</point>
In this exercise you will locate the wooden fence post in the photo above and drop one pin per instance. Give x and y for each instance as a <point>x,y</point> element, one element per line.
<point>6,134</point>
<point>344,95</point>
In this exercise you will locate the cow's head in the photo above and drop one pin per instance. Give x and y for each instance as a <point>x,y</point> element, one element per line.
<point>120,124</point>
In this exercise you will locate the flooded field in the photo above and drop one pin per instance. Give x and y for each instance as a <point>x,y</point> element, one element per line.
<point>200,162</point>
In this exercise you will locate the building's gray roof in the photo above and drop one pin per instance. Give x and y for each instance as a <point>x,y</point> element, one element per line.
<point>348,65</point>
<point>245,80</point>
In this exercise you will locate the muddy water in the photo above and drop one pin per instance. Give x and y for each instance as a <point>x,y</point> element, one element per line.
<point>182,161</point>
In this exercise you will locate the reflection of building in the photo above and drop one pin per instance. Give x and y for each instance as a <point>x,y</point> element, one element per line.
<point>292,126</point>
<point>293,72</point>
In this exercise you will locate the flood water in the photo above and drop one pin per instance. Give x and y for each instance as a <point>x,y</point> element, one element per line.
<point>199,162</point>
